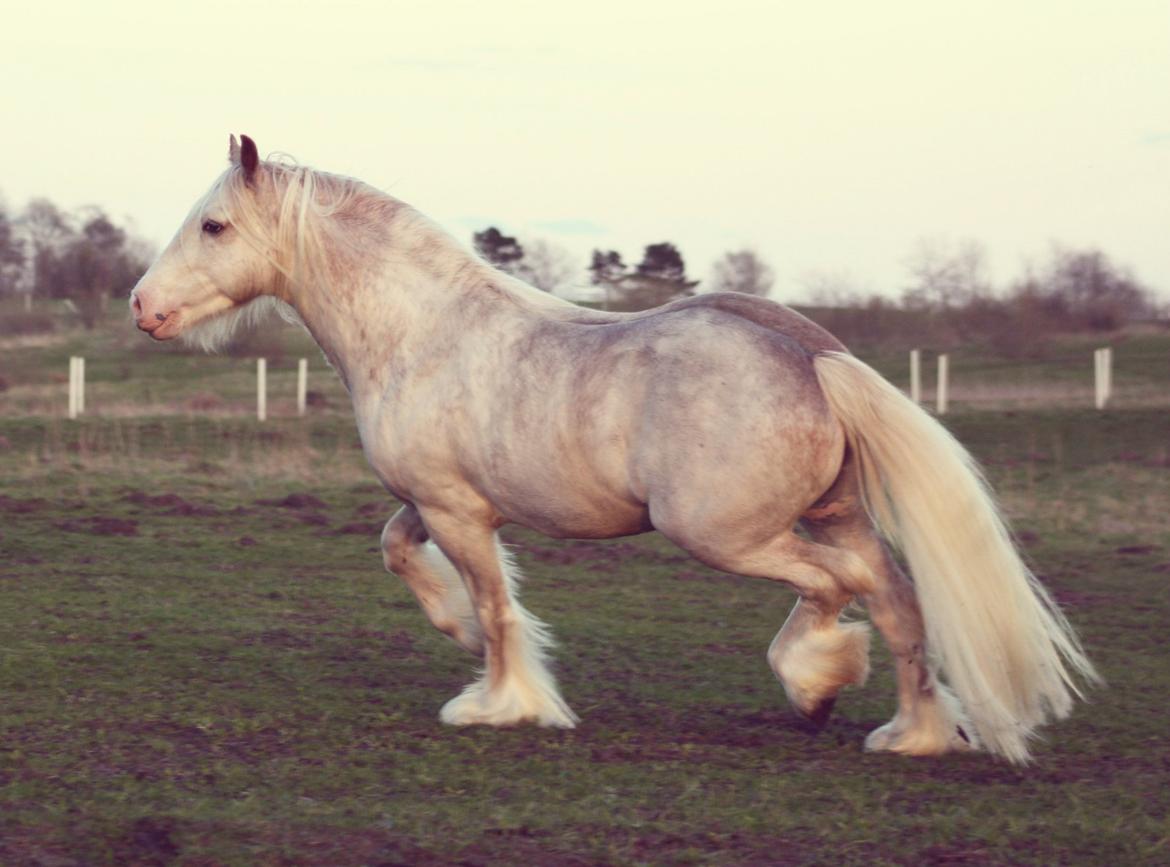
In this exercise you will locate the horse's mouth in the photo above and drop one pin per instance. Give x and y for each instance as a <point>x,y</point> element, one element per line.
<point>162,329</point>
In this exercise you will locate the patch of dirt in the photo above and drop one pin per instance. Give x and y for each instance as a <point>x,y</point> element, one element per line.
<point>375,508</point>
<point>295,501</point>
<point>1137,549</point>
<point>16,506</point>
<point>358,528</point>
<point>314,519</point>
<point>278,638</point>
<point>99,525</point>
<point>171,505</point>
<point>246,542</point>
<point>147,842</point>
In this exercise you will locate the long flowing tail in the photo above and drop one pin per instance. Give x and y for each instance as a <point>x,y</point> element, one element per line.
<point>999,639</point>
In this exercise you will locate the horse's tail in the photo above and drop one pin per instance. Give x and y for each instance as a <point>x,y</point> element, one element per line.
<point>999,639</point>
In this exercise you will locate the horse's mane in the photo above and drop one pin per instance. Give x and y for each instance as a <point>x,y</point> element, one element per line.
<point>321,217</point>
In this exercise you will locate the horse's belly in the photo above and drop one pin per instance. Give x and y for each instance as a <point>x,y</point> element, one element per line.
<point>563,513</point>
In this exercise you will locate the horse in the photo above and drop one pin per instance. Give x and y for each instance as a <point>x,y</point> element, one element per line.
<point>737,428</point>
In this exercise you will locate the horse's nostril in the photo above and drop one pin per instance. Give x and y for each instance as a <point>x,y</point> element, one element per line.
<point>136,305</point>
<point>160,317</point>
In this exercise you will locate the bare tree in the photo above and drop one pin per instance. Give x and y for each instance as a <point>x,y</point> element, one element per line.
<point>1092,290</point>
<point>831,289</point>
<point>11,253</point>
<point>547,266</point>
<point>48,230</point>
<point>945,274</point>
<point>742,271</point>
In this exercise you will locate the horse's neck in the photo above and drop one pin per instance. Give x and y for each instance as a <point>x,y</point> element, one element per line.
<point>400,289</point>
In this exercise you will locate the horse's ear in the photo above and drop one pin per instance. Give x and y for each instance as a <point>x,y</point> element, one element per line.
<point>249,157</point>
<point>233,150</point>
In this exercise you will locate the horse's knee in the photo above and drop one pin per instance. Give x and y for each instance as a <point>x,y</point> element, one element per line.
<point>401,537</point>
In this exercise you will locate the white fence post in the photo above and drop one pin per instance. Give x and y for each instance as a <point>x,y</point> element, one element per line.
<point>261,389</point>
<point>1097,378</point>
<point>81,385</point>
<point>1102,376</point>
<point>944,371</point>
<point>1108,373</point>
<point>915,376</point>
<point>72,386</point>
<point>302,385</point>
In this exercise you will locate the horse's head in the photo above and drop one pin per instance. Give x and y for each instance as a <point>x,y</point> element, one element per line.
<point>217,261</point>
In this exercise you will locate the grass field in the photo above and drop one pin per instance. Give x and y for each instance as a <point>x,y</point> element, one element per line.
<point>203,662</point>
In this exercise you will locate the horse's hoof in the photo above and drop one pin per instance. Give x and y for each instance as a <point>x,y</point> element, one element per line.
<point>921,742</point>
<point>820,713</point>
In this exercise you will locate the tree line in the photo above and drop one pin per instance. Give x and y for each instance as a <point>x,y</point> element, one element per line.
<point>83,256</point>
<point>658,278</point>
<point>948,299</point>
<point>947,296</point>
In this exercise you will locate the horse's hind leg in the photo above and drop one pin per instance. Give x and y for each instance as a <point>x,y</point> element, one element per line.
<point>516,685</point>
<point>929,720</point>
<point>408,552</point>
<point>814,655</point>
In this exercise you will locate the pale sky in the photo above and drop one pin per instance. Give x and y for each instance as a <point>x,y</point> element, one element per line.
<point>830,136</point>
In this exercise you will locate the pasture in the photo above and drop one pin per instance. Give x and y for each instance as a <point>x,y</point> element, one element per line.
<point>203,661</point>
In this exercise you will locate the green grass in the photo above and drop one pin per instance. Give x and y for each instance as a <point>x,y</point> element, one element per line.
<point>204,679</point>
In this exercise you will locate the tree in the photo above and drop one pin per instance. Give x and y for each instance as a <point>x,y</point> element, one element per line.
<point>12,256</point>
<point>658,279</point>
<point>832,289</point>
<point>1092,290</point>
<point>546,266</point>
<point>94,266</point>
<point>606,266</point>
<point>946,274</point>
<point>48,230</point>
<point>499,249</point>
<point>742,271</point>
<point>664,262</point>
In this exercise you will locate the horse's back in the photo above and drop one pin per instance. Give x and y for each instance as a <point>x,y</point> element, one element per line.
<point>732,409</point>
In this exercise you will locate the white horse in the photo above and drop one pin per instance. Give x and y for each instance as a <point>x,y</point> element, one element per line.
<point>723,421</point>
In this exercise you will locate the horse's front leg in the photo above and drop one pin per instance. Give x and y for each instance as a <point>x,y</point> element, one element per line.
<point>516,685</point>
<point>408,552</point>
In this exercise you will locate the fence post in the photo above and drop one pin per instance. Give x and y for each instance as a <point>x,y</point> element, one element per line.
<point>944,371</point>
<point>1096,378</point>
<point>261,389</point>
<point>302,385</point>
<point>72,386</point>
<point>81,385</point>
<point>1102,376</point>
<point>915,376</point>
<point>1108,374</point>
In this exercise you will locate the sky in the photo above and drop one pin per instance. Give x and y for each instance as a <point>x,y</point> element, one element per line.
<point>831,137</point>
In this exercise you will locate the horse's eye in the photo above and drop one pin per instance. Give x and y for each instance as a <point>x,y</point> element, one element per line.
<point>211,227</point>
